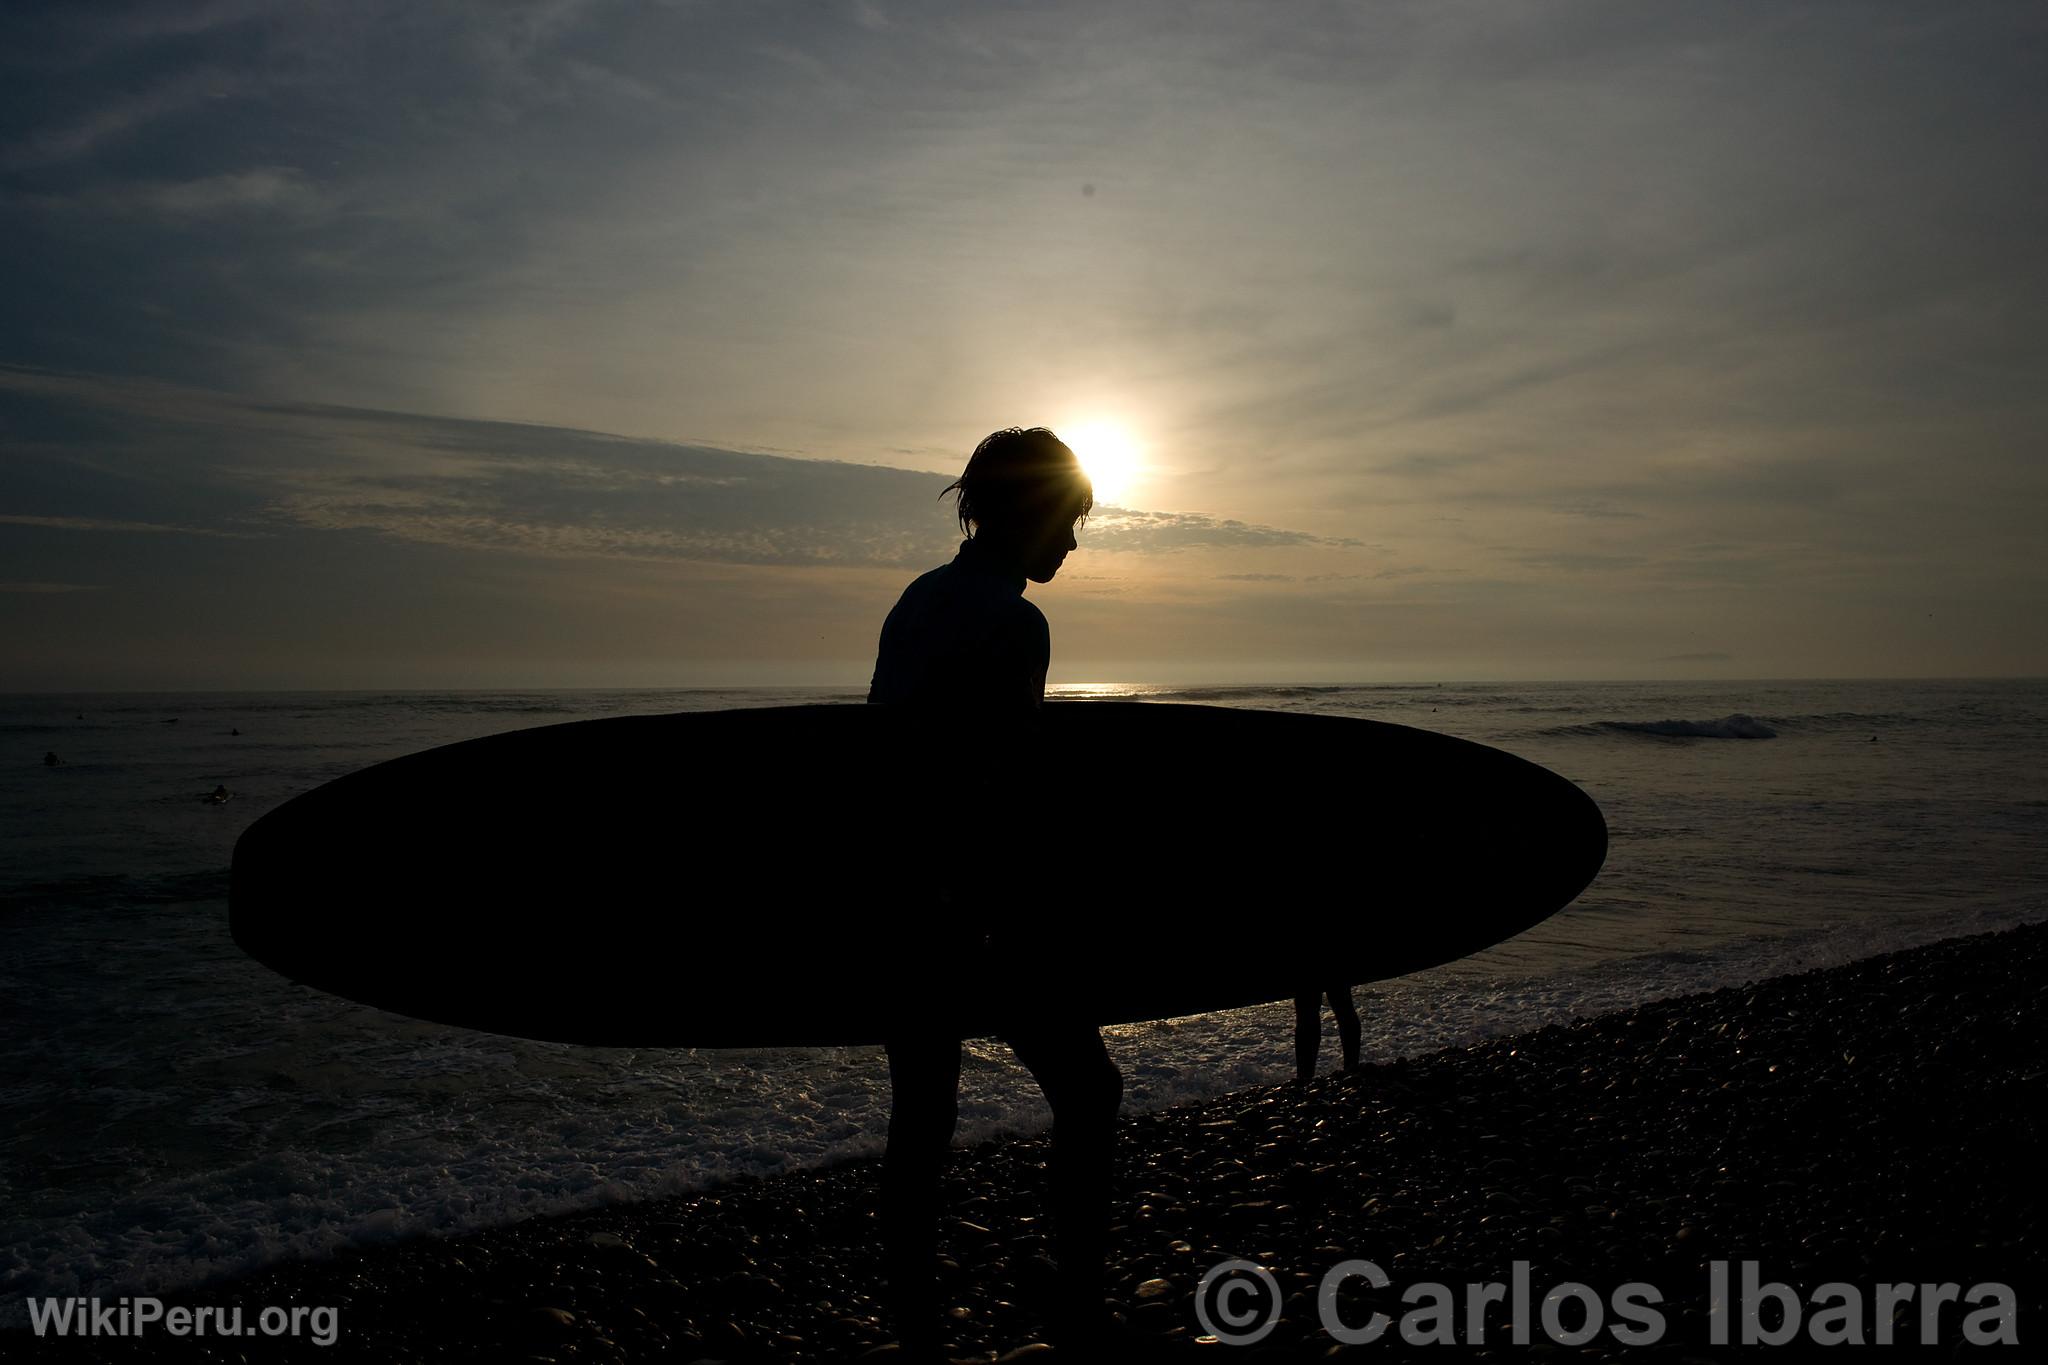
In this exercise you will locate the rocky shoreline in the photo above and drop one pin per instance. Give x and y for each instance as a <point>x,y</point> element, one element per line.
<point>1872,1124</point>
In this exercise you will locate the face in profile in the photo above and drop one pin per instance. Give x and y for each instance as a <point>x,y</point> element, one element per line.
<point>1044,554</point>
<point>1022,495</point>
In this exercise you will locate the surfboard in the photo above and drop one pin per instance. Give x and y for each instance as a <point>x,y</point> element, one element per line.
<point>820,875</point>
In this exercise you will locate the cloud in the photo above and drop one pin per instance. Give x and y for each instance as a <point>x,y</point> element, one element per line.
<point>275,191</point>
<point>1582,561</point>
<point>1595,509</point>
<point>1422,465</point>
<point>107,524</point>
<point>117,24</point>
<point>523,489</point>
<point>1120,528</point>
<point>91,129</point>
<point>1589,285</point>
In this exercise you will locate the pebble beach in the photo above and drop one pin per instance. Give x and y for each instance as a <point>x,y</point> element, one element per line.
<point>1875,1123</point>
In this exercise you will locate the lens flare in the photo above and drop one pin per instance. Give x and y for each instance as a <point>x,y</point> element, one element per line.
<point>1113,458</point>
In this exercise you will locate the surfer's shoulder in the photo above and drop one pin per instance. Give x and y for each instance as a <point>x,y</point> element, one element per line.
<point>1027,610</point>
<point>1018,613</point>
<point>930,581</point>
<point>916,598</point>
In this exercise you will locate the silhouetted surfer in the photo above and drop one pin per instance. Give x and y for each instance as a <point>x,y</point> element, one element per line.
<point>963,642</point>
<point>962,636</point>
<point>1308,1030</point>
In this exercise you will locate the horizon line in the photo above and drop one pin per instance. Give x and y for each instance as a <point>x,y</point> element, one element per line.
<point>1117,682</point>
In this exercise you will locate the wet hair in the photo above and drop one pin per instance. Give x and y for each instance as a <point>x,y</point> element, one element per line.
<point>1021,477</point>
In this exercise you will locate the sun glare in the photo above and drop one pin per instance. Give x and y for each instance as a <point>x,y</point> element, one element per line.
<point>1111,456</point>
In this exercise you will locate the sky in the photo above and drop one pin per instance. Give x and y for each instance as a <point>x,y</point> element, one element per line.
<point>537,343</point>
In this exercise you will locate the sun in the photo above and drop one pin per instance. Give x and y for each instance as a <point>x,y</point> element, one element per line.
<point>1112,457</point>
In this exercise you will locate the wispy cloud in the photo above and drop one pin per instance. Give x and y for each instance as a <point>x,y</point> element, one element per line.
<point>107,524</point>
<point>268,191</point>
<point>1120,528</point>
<point>1583,562</point>
<point>92,129</point>
<point>532,490</point>
<point>1545,302</point>
<point>1596,510</point>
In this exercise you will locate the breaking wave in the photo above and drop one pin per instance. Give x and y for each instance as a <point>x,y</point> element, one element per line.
<point>1727,727</point>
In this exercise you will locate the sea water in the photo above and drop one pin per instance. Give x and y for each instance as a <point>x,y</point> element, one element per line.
<point>170,1110</point>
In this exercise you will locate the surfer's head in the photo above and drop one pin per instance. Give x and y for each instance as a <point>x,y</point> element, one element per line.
<point>1022,494</point>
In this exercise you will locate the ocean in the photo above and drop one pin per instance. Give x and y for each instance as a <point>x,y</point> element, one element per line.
<point>171,1111</point>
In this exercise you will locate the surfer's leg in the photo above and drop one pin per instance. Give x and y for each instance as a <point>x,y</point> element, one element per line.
<point>924,1105</point>
<point>1347,1024</point>
<point>1308,1034</point>
<point>1084,1089</point>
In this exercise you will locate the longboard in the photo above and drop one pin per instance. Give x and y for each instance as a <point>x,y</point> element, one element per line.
<point>820,875</point>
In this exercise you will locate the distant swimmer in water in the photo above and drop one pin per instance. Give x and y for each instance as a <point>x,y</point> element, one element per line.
<point>1308,1030</point>
<point>219,794</point>
<point>50,760</point>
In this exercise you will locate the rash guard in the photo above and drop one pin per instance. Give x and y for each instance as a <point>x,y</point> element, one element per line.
<point>963,636</point>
